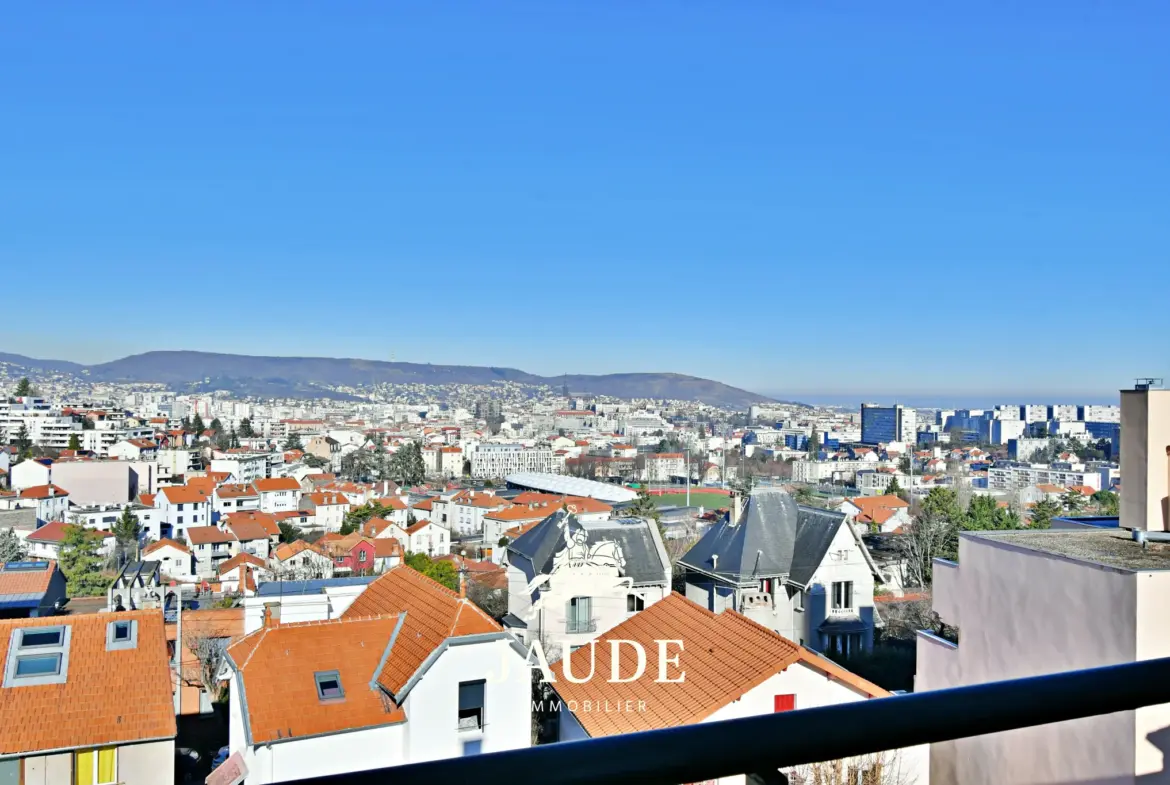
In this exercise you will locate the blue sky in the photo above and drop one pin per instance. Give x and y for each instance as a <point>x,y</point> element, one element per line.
<point>871,198</point>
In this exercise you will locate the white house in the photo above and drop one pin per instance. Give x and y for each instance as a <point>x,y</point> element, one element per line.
<point>211,547</point>
<point>278,494</point>
<point>309,706</point>
<point>234,497</point>
<point>427,537</point>
<point>50,501</point>
<point>242,572</point>
<point>733,668</point>
<point>135,450</point>
<point>179,507</point>
<point>803,572</point>
<point>243,467</point>
<point>885,513</point>
<point>327,507</point>
<point>571,580</point>
<point>299,560</point>
<point>174,558</point>
<point>463,512</point>
<point>45,542</point>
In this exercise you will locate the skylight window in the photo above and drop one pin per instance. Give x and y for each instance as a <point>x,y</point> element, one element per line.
<point>329,685</point>
<point>45,636</point>
<point>121,634</point>
<point>38,665</point>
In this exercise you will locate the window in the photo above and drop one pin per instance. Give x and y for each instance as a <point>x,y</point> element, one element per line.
<point>121,635</point>
<point>842,595</point>
<point>329,685</point>
<point>361,555</point>
<point>471,704</point>
<point>38,665</point>
<point>180,519</point>
<point>634,603</point>
<point>784,703</point>
<point>180,510</point>
<point>580,615</point>
<point>47,636</point>
<point>37,655</point>
<point>96,767</point>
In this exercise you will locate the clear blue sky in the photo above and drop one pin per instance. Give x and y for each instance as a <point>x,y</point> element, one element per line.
<point>835,197</point>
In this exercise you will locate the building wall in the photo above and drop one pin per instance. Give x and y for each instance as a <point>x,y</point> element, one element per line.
<point>433,704</point>
<point>95,482</point>
<point>1027,613</point>
<point>336,753</point>
<point>137,764</point>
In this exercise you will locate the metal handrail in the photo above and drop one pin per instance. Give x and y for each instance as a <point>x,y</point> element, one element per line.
<point>766,743</point>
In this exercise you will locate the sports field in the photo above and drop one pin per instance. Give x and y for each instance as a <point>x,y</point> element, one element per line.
<point>698,499</point>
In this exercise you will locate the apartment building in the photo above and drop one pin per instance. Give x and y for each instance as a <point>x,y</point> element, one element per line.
<point>108,433</point>
<point>493,461</point>
<point>1015,475</point>
<point>278,494</point>
<point>243,467</point>
<point>665,466</point>
<point>179,507</point>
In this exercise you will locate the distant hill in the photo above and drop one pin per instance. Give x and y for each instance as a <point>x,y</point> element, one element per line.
<point>302,377</point>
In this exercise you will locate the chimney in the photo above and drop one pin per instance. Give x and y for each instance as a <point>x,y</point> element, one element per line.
<point>462,580</point>
<point>1145,429</point>
<point>736,507</point>
<point>271,619</point>
<point>52,491</point>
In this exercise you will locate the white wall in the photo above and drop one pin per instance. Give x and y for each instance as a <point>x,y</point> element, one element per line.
<point>358,750</point>
<point>137,764</point>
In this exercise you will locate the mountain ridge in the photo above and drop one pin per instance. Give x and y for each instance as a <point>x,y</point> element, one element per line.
<point>301,376</point>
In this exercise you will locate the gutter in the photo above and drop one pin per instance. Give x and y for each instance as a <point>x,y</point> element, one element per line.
<point>462,640</point>
<point>58,750</point>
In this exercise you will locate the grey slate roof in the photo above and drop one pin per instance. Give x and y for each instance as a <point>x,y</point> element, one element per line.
<point>646,560</point>
<point>774,537</point>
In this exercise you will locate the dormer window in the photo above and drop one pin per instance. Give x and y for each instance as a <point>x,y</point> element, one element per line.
<point>329,686</point>
<point>121,635</point>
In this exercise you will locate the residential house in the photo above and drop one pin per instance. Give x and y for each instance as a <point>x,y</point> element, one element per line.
<point>328,509</point>
<point>86,700</point>
<point>234,497</point>
<point>326,448</point>
<point>46,541</point>
<point>733,668</point>
<point>352,554</point>
<point>495,523</point>
<point>104,516</point>
<point>174,559</point>
<point>357,493</point>
<point>314,479</point>
<point>380,528</point>
<point>299,560</point>
<point>463,513</point>
<point>308,706</point>
<point>388,554</point>
<point>181,507</point>
<point>241,573</point>
<point>571,580</point>
<point>250,535</point>
<point>883,514</point>
<point>665,466</point>
<point>802,572</point>
<point>278,494</point>
<point>135,450</point>
<point>244,467</point>
<point>427,537</point>
<point>50,502</point>
<point>210,546</point>
<point>30,589</point>
<point>270,523</point>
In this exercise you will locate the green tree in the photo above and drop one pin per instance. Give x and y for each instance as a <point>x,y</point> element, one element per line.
<point>126,535</point>
<point>24,388</point>
<point>406,465</point>
<point>894,489</point>
<point>233,439</point>
<point>246,428</point>
<point>802,494</point>
<point>289,532</point>
<point>197,425</point>
<point>1043,513</point>
<point>315,461</point>
<point>643,507</point>
<point>358,516</point>
<point>11,547</point>
<point>23,442</point>
<point>74,442</point>
<point>216,425</point>
<point>1107,503</point>
<point>293,442</point>
<point>184,423</point>
<point>442,570</point>
<point>814,444</point>
<point>1073,501</point>
<point>81,562</point>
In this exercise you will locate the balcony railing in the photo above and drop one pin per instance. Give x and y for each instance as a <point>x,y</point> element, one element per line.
<point>770,743</point>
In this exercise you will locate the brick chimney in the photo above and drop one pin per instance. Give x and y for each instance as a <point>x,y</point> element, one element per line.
<point>271,619</point>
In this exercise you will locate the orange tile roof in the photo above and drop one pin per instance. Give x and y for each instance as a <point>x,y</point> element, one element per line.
<point>322,498</point>
<point>425,504</point>
<point>724,655</point>
<point>1083,490</point>
<point>393,502</point>
<point>584,504</point>
<point>242,558</point>
<point>154,546</point>
<point>516,531</point>
<point>267,521</point>
<point>205,485</point>
<point>235,491</point>
<point>417,526</point>
<point>26,581</point>
<point>286,550</point>
<point>42,492</point>
<point>206,535</point>
<point>146,499</point>
<point>277,664</point>
<point>277,484</point>
<point>183,494</point>
<point>529,497</point>
<point>1049,488</point>
<point>109,697</point>
<point>387,546</point>
<point>212,622</point>
<point>523,512</point>
<point>243,529</point>
<point>433,614</point>
<point>375,526</point>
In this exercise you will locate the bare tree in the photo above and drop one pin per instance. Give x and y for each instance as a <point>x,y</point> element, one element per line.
<point>493,602</point>
<point>904,618</point>
<point>882,768</point>
<point>922,541</point>
<point>207,646</point>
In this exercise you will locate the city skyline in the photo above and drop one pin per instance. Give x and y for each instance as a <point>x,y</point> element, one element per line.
<point>782,199</point>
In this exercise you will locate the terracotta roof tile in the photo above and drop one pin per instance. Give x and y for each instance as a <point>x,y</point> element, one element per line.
<point>724,655</point>
<point>385,547</point>
<point>242,558</point>
<point>243,530</point>
<point>154,546</point>
<point>183,494</point>
<point>43,492</point>
<point>205,485</point>
<point>235,491</point>
<point>267,521</point>
<point>277,484</point>
<point>26,581</point>
<point>109,697</point>
<point>206,535</point>
<point>278,664</point>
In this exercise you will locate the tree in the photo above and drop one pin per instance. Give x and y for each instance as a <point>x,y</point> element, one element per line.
<point>216,426</point>
<point>24,388</point>
<point>904,464</point>
<point>23,442</point>
<point>208,648</point>
<point>802,494</point>
<point>197,425</point>
<point>289,532</point>
<point>358,516</point>
<point>184,423</point>
<point>80,559</point>
<point>930,536</point>
<point>493,602</point>
<point>246,428</point>
<point>1107,503</point>
<point>233,439</point>
<point>814,444</point>
<point>466,467</point>
<point>894,489</point>
<point>127,532</point>
<point>643,507</point>
<point>406,465</point>
<point>293,442</point>
<point>11,547</point>
<point>441,570</point>
<point>74,442</point>
<point>1073,501</point>
<point>1043,513</point>
<point>316,461</point>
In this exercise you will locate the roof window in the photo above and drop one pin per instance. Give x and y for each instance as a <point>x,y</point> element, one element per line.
<point>37,655</point>
<point>329,685</point>
<point>122,634</point>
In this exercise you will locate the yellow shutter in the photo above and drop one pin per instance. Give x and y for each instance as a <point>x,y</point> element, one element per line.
<point>83,767</point>
<point>106,772</point>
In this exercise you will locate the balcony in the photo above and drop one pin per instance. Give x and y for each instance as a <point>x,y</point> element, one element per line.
<point>576,626</point>
<point>763,746</point>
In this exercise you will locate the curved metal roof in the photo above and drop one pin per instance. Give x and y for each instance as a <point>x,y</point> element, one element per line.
<point>571,486</point>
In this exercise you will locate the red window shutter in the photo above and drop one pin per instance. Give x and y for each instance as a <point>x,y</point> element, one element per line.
<point>785,703</point>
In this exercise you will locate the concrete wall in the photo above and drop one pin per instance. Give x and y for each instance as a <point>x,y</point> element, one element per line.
<point>1027,613</point>
<point>137,764</point>
<point>336,753</point>
<point>95,482</point>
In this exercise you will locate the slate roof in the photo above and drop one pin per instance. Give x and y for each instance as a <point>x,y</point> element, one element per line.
<point>773,537</point>
<point>646,560</point>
